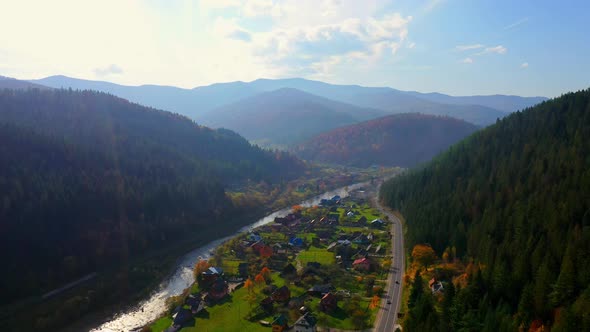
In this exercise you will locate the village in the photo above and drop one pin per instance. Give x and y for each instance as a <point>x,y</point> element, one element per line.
<point>316,268</point>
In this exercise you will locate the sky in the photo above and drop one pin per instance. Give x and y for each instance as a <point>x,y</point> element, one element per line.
<point>458,47</point>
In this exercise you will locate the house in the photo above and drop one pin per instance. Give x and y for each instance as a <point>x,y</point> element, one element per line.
<point>331,246</point>
<point>182,317</point>
<point>350,214</point>
<point>296,241</point>
<point>435,286</point>
<point>336,199</point>
<point>280,323</point>
<point>305,323</point>
<point>254,237</point>
<point>377,223</point>
<point>267,304</point>
<point>378,249</point>
<point>283,294</point>
<point>362,220</point>
<point>320,290</point>
<point>344,242</point>
<point>289,269</point>
<point>328,303</point>
<point>362,264</point>
<point>195,303</point>
<point>361,239</point>
<point>210,275</point>
<point>217,291</point>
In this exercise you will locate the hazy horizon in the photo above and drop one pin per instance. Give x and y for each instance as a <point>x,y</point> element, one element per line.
<point>448,46</point>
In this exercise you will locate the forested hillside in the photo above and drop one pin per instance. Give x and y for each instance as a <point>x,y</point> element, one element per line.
<point>89,181</point>
<point>285,116</point>
<point>397,140</point>
<point>514,200</point>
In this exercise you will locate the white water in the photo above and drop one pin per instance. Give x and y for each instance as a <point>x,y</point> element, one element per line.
<point>149,309</point>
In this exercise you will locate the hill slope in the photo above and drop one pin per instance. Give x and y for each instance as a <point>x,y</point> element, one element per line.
<point>514,197</point>
<point>285,116</point>
<point>90,181</point>
<point>395,140</point>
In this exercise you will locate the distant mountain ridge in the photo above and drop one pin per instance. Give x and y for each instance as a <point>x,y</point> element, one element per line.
<point>12,83</point>
<point>194,103</point>
<point>396,140</point>
<point>285,116</point>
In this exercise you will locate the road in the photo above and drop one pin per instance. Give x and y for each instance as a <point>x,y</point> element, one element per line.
<point>387,316</point>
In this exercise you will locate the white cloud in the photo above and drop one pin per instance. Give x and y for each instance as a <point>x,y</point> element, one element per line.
<point>524,65</point>
<point>469,47</point>
<point>517,23</point>
<point>317,48</point>
<point>111,69</point>
<point>496,49</point>
<point>189,43</point>
<point>467,60</point>
<point>229,28</point>
<point>411,45</point>
<point>253,8</point>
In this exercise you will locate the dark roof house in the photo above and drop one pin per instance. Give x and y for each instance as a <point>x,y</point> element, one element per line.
<point>283,294</point>
<point>328,303</point>
<point>305,323</point>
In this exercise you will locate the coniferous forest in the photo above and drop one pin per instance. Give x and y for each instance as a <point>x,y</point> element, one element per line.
<point>90,182</point>
<point>514,201</point>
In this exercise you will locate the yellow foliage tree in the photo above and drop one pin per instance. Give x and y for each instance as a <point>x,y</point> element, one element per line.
<point>423,254</point>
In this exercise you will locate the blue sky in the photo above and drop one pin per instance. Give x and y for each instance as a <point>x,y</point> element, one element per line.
<point>459,47</point>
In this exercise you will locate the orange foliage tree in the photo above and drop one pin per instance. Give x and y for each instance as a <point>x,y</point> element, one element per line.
<point>200,267</point>
<point>249,285</point>
<point>259,279</point>
<point>265,272</point>
<point>374,302</point>
<point>423,254</point>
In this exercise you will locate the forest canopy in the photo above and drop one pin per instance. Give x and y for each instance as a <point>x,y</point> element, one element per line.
<point>513,198</point>
<point>89,181</point>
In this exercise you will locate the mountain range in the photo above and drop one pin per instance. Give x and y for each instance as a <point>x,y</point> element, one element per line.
<point>229,99</point>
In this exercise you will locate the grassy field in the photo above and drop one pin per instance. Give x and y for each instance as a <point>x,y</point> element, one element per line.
<point>314,254</point>
<point>226,316</point>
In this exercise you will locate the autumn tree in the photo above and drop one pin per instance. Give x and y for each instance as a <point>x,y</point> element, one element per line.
<point>249,285</point>
<point>200,267</point>
<point>374,302</point>
<point>423,254</point>
<point>259,279</point>
<point>265,272</point>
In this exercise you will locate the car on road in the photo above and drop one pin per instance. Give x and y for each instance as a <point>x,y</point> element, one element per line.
<point>397,282</point>
<point>388,302</point>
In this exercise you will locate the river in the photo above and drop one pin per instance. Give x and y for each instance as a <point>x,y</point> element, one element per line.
<point>152,307</point>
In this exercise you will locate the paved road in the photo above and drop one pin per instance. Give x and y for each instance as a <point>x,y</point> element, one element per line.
<point>387,316</point>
